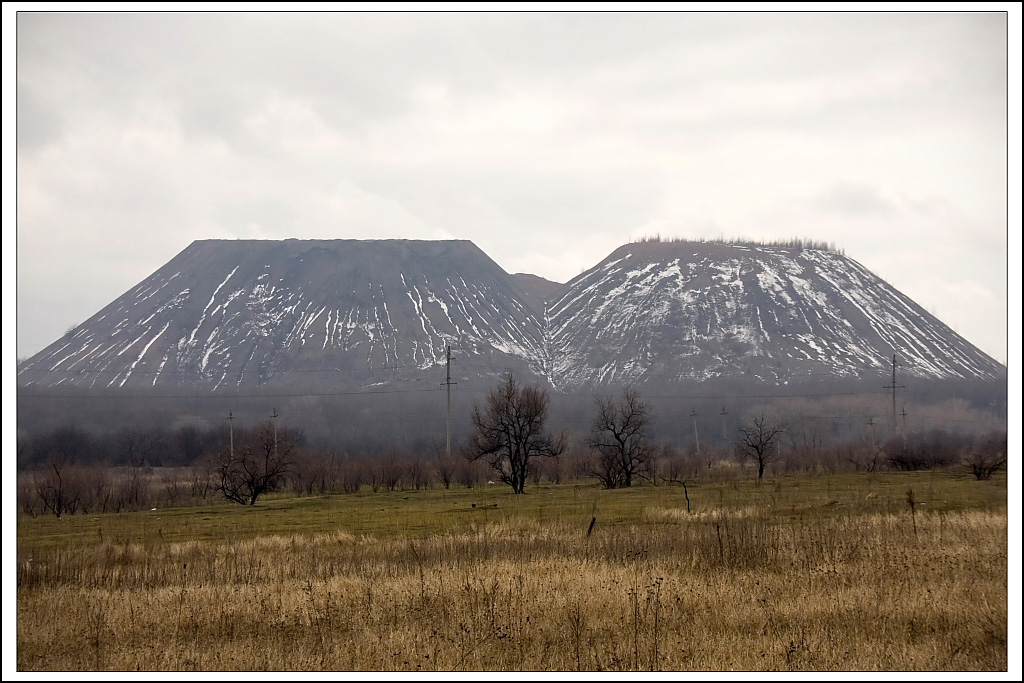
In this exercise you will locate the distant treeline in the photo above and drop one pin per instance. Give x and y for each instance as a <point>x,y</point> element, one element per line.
<point>71,470</point>
<point>827,412</point>
<point>113,450</point>
<point>791,243</point>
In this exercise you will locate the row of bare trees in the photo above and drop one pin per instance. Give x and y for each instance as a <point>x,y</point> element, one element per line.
<point>510,434</point>
<point>63,487</point>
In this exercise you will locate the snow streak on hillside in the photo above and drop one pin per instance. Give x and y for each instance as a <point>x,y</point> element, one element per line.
<point>352,308</point>
<point>359,313</point>
<point>682,311</point>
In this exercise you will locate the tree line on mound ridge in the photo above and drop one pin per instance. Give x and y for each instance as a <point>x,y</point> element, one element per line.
<point>791,243</point>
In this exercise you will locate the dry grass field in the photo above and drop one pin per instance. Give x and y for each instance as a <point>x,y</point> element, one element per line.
<point>800,573</point>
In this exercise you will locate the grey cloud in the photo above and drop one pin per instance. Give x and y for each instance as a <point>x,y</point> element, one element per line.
<point>39,123</point>
<point>163,127</point>
<point>855,200</point>
<point>271,212</point>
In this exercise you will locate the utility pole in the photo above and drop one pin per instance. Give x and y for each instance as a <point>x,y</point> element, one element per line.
<point>231,437</point>
<point>903,412</point>
<point>448,383</point>
<point>725,438</point>
<point>696,438</point>
<point>274,418</point>
<point>894,387</point>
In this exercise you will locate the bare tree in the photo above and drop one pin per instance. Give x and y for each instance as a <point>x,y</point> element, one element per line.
<point>131,487</point>
<point>351,473</point>
<point>680,466</point>
<point>467,473</point>
<point>392,471</point>
<point>58,488</point>
<point>417,473</point>
<point>97,489</point>
<point>988,457</point>
<point>444,467</point>
<point>28,495</point>
<point>202,475</point>
<point>258,464</point>
<point>554,469</point>
<point>173,484</point>
<point>867,453</point>
<point>759,441</point>
<point>619,435</point>
<point>925,450</point>
<point>509,431</point>
<point>376,471</point>
<point>806,442</point>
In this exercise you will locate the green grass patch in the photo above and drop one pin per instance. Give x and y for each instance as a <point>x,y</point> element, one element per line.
<point>416,514</point>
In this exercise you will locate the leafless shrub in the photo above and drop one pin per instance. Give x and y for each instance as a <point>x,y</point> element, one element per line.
<point>172,484</point>
<point>392,471</point>
<point>97,489</point>
<point>202,478</point>
<point>987,457</point>
<point>467,473</point>
<point>925,450</point>
<point>444,466</point>
<point>131,487</point>
<point>257,465</point>
<point>680,466</point>
<point>416,473</point>
<point>351,475</point>
<point>58,488</point>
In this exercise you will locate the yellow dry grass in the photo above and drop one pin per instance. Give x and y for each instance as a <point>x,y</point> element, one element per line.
<point>727,589</point>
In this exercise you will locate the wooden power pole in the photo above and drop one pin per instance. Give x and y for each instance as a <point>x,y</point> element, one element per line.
<point>274,418</point>
<point>894,387</point>
<point>696,438</point>
<point>448,383</point>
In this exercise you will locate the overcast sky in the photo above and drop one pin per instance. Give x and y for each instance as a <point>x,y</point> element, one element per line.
<point>546,139</point>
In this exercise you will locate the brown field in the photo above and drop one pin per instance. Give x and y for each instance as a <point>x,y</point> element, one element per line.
<point>802,573</point>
